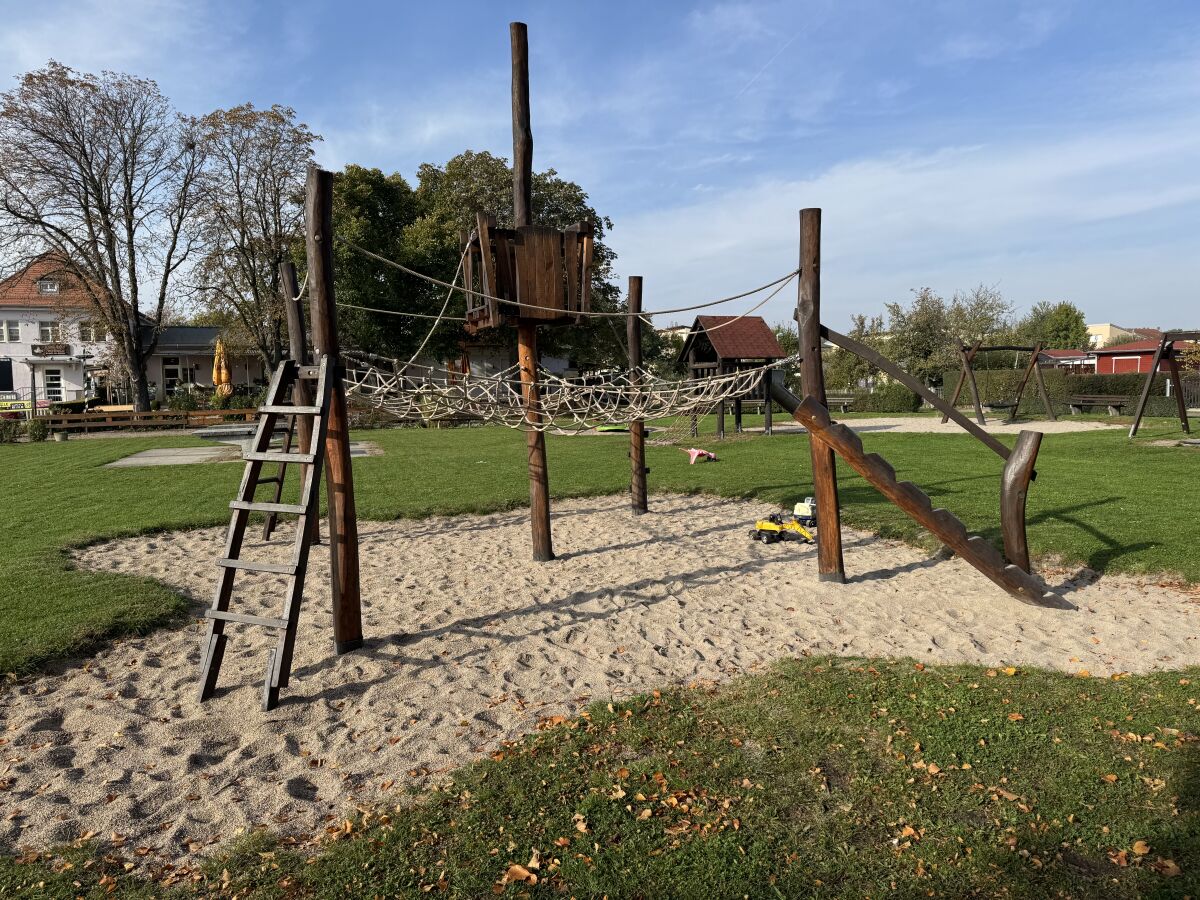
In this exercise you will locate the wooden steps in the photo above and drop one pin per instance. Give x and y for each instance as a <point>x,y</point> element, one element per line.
<point>287,378</point>
<point>913,501</point>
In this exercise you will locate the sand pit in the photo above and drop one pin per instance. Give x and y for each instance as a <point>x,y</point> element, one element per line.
<point>469,644</point>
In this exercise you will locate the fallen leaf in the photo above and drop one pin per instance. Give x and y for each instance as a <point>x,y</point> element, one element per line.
<point>1015,717</point>
<point>519,874</point>
<point>1110,778</point>
<point>1141,848</point>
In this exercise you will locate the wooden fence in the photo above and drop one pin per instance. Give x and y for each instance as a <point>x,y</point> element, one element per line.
<point>165,418</point>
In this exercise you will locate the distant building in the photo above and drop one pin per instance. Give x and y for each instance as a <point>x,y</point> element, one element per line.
<point>1135,356</point>
<point>53,346</point>
<point>1077,361</point>
<point>1103,334</point>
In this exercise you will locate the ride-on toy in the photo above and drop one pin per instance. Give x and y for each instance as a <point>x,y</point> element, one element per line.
<point>776,528</point>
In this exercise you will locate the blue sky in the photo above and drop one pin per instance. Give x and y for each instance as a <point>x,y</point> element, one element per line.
<point>1049,148</point>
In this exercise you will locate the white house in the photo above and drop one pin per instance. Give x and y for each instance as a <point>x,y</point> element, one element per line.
<point>53,346</point>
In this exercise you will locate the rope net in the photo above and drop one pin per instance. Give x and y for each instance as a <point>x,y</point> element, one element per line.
<point>427,394</point>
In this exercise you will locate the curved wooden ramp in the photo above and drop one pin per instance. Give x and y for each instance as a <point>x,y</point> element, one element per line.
<point>916,503</point>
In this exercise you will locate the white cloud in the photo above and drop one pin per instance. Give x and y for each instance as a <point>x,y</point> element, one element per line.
<point>1027,215</point>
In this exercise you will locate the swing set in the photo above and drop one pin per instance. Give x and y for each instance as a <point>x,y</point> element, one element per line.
<point>967,376</point>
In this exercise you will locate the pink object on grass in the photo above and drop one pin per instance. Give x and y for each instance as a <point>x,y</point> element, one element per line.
<point>695,453</point>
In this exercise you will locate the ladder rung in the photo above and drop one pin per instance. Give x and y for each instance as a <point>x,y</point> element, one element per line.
<point>293,508</point>
<point>276,568</point>
<point>279,457</point>
<point>274,479</point>
<point>285,410</point>
<point>309,373</point>
<point>226,616</point>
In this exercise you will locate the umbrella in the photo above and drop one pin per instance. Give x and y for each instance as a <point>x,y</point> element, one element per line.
<point>222,380</point>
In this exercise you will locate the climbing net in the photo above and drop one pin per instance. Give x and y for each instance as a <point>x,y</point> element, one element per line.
<point>564,405</point>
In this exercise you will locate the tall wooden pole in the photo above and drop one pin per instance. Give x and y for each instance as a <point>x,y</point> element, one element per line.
<point>830,566</point>
<point>637,428</point>
<point>343,521</point>
<point>527,354</point>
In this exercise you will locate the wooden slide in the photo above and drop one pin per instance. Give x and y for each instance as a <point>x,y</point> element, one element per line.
<point>913,501</point>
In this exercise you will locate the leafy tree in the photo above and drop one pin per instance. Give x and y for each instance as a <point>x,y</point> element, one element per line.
<point>251,218</point>
<point>846,371</point>
<point>1060,326</point>
<point>420,228</point>
<point>102,172</point>
<point>924,337</point>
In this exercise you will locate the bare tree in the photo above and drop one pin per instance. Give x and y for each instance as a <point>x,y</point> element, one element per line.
<point>253,191</point>
<point>101,171</point>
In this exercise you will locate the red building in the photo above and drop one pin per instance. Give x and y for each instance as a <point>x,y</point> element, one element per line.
<point>1133,357</point>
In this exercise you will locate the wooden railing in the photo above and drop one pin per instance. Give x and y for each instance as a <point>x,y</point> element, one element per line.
<point>165,418</point>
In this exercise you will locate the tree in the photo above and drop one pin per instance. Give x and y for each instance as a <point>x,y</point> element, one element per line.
<point>846,371</point>
<point>421,229</point>
<point>920,337</point>
<point>1059,326</point>
<point>251,217</point>
<point>99,170</point>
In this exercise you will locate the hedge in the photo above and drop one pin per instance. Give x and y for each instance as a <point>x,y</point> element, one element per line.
<point>1000,386</point>
<point>887,398</point>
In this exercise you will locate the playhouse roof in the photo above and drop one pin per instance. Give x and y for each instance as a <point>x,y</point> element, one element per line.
<point>733,337</point>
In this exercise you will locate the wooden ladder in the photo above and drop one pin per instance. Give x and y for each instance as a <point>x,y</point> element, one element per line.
<point>279,658</point>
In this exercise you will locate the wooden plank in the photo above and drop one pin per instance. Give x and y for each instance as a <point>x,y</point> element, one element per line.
<point>881,362</point>
<point>1014,490</point>
<point>244,618</point>
<point>571,265</point>
<point>251,566</point>
<point>1177,390</point>
<point>1144,396</point>
<point>269,507</point>
<point>637,428</point>
<point>1033,359</point>
<point>343,541</point>
<point>285,409</point>
<point>277,456</point>
<point>1041,386</point>
<point>830,564</point>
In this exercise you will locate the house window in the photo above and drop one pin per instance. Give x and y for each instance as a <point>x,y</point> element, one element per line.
<point>10,331</point>
<point>47,286</point>
<point>92,332</point>
<point>176,373</point>
<point>50,332</point>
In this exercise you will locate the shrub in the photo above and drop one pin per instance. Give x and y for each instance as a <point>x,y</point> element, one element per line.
<point>10,430</point>
<point>183,401</point>
<point>37,430</point>
<point>887,398</point>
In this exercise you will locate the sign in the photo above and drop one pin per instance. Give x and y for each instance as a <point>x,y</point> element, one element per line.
<point>52,349</point>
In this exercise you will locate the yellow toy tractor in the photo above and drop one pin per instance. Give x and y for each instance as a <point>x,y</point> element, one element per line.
<point>775,527</point>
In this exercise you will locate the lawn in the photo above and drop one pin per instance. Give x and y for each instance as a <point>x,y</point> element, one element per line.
<point>819,778</point>
<point>1099,500</point>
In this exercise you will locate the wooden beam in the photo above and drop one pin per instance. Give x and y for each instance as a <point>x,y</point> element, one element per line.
<point>830,564</point>
<point>881,362</point>
<point>522,131</point>
<point>768,403</point>
<point>1163,343</point>
<point>343,519</point>
<point>637,428</point>
<point>962,377</point>
<point>1033,357</point>
<point>1177,389</point>
<point>535,443</point>
<point>969,371</point>
<point>1041,386</point>
<point>1014,491</point>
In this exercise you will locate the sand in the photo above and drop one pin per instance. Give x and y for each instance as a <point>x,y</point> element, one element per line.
<point>469,644</point>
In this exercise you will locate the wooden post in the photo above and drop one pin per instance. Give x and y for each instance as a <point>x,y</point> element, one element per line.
<point>1144,396</point>
<point>527,354</point>
<point>737,414</point>
<point>1014,491</point>
<point>1177,389</point>
<point>830,566</point>
<point>343,520</point>
<point>637,428</point>
<point>1029,369</point>
<point>969,372</point>
<point>768,403</point>
<point>721,414</point>
<point>962,377</point>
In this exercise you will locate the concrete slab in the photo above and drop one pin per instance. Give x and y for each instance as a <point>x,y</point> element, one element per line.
<point>185,456</point>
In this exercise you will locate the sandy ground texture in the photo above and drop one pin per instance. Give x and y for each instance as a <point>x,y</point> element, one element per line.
<point>468,644</point>
<point>933,425</point>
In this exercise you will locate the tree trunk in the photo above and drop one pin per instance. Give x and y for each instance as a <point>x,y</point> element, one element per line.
<point>141,390</point>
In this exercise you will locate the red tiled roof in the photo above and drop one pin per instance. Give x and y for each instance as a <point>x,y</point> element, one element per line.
<point>1152,334</point>
<point>746,338</point>
<point>1140,347</point>
<point>21,289</point>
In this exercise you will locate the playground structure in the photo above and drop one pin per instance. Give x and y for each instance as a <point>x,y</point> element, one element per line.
<point>1166,351</point>
<point>544,275</point>
<point>967,376</point>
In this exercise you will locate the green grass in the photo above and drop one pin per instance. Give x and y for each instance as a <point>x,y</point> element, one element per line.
<point>819,778</point>
<point>1099,500</point>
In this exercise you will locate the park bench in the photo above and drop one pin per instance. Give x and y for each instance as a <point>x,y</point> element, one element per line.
<point>841,401</point>
<point>1114,402</point>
